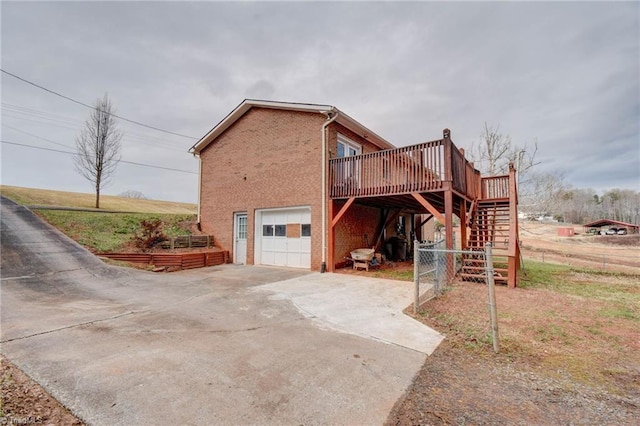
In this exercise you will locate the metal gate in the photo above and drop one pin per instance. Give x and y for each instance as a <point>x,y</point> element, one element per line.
<point>435,267</point>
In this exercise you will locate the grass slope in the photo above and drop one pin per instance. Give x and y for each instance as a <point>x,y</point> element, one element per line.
<point>45,197</point>
<point>99,231</point>
<point>112,232</point>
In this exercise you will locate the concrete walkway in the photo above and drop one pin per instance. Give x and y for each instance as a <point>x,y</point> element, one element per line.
<point>363,306</point>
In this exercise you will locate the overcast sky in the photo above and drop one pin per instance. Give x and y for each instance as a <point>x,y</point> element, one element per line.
<point>564,74</point>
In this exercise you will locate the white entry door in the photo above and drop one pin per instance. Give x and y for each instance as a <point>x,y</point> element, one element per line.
<point>240,238</point>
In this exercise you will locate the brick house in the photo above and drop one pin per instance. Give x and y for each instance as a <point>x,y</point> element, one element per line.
<point>261,181</point>
<point>301,185</point>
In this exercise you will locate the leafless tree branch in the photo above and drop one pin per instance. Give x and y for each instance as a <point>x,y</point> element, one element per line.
<point>98,146</point>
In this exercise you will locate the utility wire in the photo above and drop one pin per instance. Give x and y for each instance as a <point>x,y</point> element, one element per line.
<point>128,136</point>
<point>120,161</point>
<point>35,136</point>
<point>39,115</point>
<point>94,108</point>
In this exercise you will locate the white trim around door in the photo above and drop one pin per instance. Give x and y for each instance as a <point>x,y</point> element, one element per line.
<point>240,230</point>
<point>283,237</point>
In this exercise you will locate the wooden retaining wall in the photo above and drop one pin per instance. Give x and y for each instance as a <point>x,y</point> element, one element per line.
<point>188,241</point>
<point>173,260</point>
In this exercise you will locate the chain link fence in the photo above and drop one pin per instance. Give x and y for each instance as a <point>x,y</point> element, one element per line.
<point>436,267</point>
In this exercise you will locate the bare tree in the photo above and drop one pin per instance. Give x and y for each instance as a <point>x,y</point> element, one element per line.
<point>132,193</point>
<point>545,195</point>
<point>496,150</point>
<point>98,146</point>
<point>493,147</point>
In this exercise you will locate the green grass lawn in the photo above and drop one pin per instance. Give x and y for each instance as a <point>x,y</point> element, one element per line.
<point>104,232</point>
<point>620,289</point>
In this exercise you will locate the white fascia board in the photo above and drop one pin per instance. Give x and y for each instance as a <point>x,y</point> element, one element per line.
<point>247,104</point>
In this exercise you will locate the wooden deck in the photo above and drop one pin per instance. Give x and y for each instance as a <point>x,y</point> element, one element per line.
<point>429,178</point>
<point>427,167</point>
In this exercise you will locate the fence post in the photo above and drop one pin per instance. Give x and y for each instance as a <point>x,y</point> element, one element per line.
<point>438,273</point>
<point>416,277</point>
<point>492,297</point>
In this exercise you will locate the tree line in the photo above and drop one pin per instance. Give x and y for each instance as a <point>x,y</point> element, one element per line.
<point>547,194</point>
<point>585,205</point>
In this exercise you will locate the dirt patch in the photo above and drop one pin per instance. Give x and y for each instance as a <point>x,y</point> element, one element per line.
<point>564,359</point>
<point>619,253</point>
<point>25,402</point>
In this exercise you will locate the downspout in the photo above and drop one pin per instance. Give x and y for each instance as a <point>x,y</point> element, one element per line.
<point>199,187</point>
<point>199,190</point>
<point>331,116</point>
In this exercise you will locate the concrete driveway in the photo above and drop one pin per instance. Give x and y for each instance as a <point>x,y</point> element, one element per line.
<point>222,345</point>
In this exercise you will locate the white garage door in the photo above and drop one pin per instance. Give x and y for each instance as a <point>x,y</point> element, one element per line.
<point>285,237</point>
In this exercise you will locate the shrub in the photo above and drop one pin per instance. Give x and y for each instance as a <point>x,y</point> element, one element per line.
<point>149,235</point>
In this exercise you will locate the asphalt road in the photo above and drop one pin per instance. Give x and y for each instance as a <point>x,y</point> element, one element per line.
<point>126,347</point>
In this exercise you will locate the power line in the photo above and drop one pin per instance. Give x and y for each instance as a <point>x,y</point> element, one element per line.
<point>51,119</point>
<point>128,136</point>
<point>91,107</point>
<point>35,136</point>
<point>121,161</point>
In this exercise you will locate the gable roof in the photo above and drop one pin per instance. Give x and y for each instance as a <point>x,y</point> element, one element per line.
<point>604,222</point>
<point>327,110</point>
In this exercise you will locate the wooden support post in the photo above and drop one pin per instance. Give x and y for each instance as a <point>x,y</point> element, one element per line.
<point>512,272</point>
<point>448,215</point>
<point>448,219</point>
<point>331,243</point>
<point>463,225</point>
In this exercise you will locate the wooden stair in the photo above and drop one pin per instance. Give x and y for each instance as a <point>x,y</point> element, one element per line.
<point>490,222</point>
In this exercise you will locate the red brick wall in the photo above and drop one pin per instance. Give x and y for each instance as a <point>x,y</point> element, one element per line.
<point>272,158</point>
<point>332,139</point>
<point>355,230</point>
<point>267,159</point>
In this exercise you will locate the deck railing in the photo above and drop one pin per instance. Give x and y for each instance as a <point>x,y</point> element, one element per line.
<point>423,167</point>
<point>495,187</point>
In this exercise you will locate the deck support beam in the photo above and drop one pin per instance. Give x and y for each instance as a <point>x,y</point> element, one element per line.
<point>385,221</point>
<point>425,221</point>
<point>427,205</point>
<point>418,224</point>
<point>331,256</point>
<point>343,210</point>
